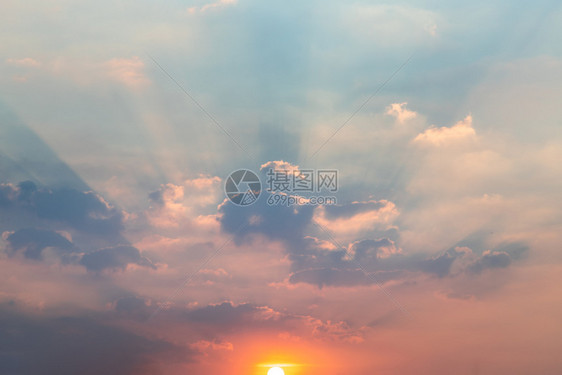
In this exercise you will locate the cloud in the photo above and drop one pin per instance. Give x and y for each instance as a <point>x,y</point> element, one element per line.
<point>129,71</point>
<point>211,6</point>
<point>400,112</point>
<point>380,248</point>
<point>74,345</point>
<point>335,277</point>
<point>85,211</point>
<point>490,260</point>
<point>343,263</point>
<point>274,222</point>
<point>383,262</point>
<point>219,320</point>
<point>233,316</point>
<point>177,209</point>
<point>440,265</point>
<point>193,193</point>
<point>32,242</point>
<point>133,307</point>
<point>115,258</point>
<point>95,73</point>
<point>357,218</point>
<point>204,345</point>
<point>169,210</point>
<point>26,62</point>
<point>462,130</point>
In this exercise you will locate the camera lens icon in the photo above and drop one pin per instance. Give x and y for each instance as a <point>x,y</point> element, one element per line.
<point>243,187</point>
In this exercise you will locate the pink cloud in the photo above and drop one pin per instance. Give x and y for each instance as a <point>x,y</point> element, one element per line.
<point>351,226</point>
<point>178,205</point>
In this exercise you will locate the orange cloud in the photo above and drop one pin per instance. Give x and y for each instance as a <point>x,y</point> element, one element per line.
<point>444,135</point>
<point>399,111</point>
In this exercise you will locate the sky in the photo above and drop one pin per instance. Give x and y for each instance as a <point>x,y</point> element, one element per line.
<point>121,121</point>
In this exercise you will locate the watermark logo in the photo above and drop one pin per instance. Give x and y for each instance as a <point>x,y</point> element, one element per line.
<point>302,181</point>
<point>243,187</point>
<point>290,187</point>
<point>286,187</point>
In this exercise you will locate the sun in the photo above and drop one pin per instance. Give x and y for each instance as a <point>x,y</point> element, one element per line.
<point>276,371</point>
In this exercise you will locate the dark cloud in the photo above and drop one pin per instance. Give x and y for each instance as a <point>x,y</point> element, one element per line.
<point>85,211</point>
<point>7,195</point>
<point>132,307</point>
<point>439,265</point>
<point>491,260</point>
<point>312,255</point>
<point>330,277</point>
<point>224,314</point>
<point>280,223</point>
<point>370,249</point>
<point>77,345</point>
<point>114,258</point>
<point>156,197</point>
<point>516,250</point>
<point>214,321</point>
<point>81,210</point>
<point>334,269</point>
<point>313,263</point>
<point>32,242</point>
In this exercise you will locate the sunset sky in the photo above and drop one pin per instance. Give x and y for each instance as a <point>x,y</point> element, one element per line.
<point>120,122</point>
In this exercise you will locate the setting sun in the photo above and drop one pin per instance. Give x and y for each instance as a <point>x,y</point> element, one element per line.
<point>276,371</point>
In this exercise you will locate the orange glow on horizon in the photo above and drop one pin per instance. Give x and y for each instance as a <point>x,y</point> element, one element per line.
<point>259,354</point>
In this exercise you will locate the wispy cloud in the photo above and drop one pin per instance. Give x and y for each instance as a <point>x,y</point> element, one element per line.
<point>211,6</point>
<point>24,62</point>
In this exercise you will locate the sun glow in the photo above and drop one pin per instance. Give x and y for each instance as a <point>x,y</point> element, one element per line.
<point>276,371</point>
